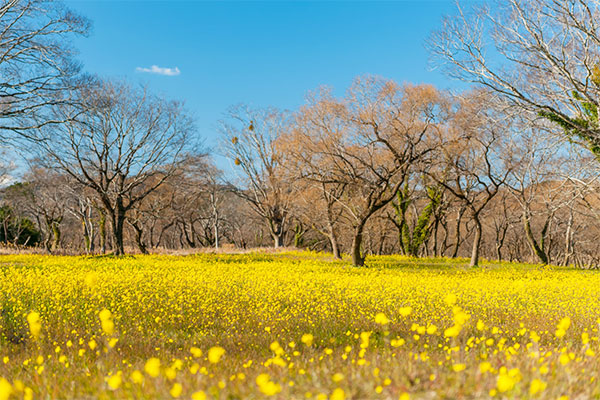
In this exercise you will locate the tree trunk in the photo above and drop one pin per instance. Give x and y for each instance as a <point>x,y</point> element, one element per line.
<point>444,243</point>
<point>139,234</point>
<point>5,228</point>
<point>436,224</point>
<point>216,216</point>
<point>138,240</point>
<point>537,249</point>
<point>277,232</point>
<point>277,239</point>
<point>299,231</point>
<point>335,247</point>
<point>102,228</point>
<point>92,235</point>
<point>358,259</point>
<point>86,237</point>
<point>216,234</point>
<point>476,243</point>
<point>55,235</point>
<point>162,233</point>
<point>458,221</point>
<point>568,240</point>
<point>118,222</point>
<point>500,238</point>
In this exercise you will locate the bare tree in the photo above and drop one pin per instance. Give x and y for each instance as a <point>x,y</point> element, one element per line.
<point>49,197</point>
<point>81,206</point>
<point>36,67</point>
<point>119,140</point>
<point>319,187</point>
<point>541,55</point>
<point>366,143</point>
<point>249,140</point>
<point>470,163</point>
<point>535,182</point>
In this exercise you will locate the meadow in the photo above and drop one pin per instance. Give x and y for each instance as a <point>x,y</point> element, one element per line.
<point>294,325</point>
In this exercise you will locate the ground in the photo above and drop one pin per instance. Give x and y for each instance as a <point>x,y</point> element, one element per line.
<point>294,325</point>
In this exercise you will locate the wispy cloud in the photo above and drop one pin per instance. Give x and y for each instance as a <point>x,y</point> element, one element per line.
<point>155,69</point>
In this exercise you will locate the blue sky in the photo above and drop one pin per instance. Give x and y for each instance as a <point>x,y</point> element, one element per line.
<point>258,53</point>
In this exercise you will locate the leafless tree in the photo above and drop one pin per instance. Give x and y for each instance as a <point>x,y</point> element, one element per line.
<point>543,56</point>
<point>366,144</point>
<point>535,182</point>
<point>118,140</point>
<point>470,163</point>
<point>37,72</point>
<point>81,205</point>
<point>249,140</point>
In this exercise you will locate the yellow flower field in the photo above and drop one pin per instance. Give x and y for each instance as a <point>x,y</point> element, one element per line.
<point>294,325</point>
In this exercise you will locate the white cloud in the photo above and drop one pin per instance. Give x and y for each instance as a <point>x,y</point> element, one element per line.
<point>155,69</point>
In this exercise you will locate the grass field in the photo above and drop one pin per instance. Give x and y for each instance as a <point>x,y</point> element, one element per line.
<point>294,325</point>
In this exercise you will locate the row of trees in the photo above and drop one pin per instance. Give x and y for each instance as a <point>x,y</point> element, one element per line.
<point>507,169</point>
<point>387,168</point>
<point>433,167</point>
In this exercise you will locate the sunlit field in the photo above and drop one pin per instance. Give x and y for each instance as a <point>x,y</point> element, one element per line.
<point>294,325</point>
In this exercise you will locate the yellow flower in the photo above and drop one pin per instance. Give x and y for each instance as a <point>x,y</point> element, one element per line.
<point>196,352</point>
<point>405,311</point>
<point>266,386</point>
<point>276,348</point>
<point>215,353</point>
<point>105,314</point>
<point>404,396</point>
<point>262,379</point>
<point>307,339</point>
<point>137,377</point>
<point>564,323</point>
<point>484,367</point>
<point>199,395</point>
<point>338,394</point>
<point>364,339</point>
<point>505,382</point>
<point>450,299</point>
<point>5,389</point>
<point>381,319</point>
<point>590,352</point>
<point>337,377</point>
<point>35,326</point>
<point>114,381</point>
<point>176,390</point>
<point>453,331</point>
<point>536,387</point>
<point>18,385</point>
<point>170,373</point>
<point>106,321</point>
<point>562,327</point>
<point>152,367</point>
<point>458,367</point>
